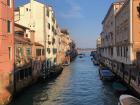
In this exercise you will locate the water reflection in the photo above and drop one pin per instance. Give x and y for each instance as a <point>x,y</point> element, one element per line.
<point>79,84</point>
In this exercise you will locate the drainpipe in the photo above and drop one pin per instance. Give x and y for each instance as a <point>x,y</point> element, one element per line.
<point>131,31</point>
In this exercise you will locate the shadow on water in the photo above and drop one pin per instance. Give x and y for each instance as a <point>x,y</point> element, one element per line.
<point>79,84</point>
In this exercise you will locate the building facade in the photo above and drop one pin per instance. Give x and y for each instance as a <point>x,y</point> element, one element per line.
<point>6,49</point>
<point>65,46</point>
<point>98,48</point>
<point>52,36</point>
<point>108,48</point>
<point>120,42</point>
<point>43,24</point>
<point>29,58</point>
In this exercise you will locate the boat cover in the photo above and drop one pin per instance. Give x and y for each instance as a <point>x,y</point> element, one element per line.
<point>106,73</point>
<point>130,100</point>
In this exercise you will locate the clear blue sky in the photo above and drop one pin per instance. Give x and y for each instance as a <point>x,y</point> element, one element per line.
<point>82,17</point>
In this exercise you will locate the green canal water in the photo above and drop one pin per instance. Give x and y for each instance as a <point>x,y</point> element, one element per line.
<point>79,84</point>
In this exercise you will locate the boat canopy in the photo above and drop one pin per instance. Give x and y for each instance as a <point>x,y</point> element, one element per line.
<point>106,73</point>
<point>129,100</point>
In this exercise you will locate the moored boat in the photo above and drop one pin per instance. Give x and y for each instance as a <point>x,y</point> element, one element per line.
<point>106,74</point>
<point>80,56</point>
<point>128,100</point>
<point>119,87</point>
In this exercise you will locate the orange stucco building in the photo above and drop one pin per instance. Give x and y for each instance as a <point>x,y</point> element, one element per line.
<point>6,49</point>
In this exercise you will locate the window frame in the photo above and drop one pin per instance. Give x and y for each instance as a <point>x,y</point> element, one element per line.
<point>9,26</point>
<point>38,52</point>
<point>10,53</point>
<point>9,3</point>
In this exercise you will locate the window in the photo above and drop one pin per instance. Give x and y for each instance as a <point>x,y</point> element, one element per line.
<point>8,26</point>
<point>53,41</point>
<point>124,51</point>
<point>52,28</point>
<point>38,52</point>
<point>43,52</point>
<point>118,52</point>
<point>53,19</point>
<point>121,52</point>
<point>19,52</point>
<point>10,53</point>
<point>49,26</point>
<point>9,3</point>
<point>111,51</point>
<point>48,50</point>
<point>26,9</point>
<point>54,50</point>
<point>28,52</point>
<point>48,13</point>
<point>27,35</point>
<point>55,60</point>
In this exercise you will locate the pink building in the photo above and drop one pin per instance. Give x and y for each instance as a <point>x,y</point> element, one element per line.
<point>6,49</point>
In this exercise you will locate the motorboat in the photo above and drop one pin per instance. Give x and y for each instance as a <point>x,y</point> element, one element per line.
<point>106,74</point>
<point>92,59</point>
<point>128,100</point>
<point>80,56</point>
<point>119,87</point>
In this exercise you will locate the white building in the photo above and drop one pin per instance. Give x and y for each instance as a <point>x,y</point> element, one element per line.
<point>40,18</point>
<point>51,45</point>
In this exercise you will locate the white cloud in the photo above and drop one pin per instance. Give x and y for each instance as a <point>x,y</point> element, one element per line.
<point>75,11</point>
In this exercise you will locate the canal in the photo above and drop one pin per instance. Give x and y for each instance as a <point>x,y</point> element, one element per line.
<point>79,84</point>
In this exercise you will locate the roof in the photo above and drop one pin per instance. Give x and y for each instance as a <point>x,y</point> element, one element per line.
<point>21,26</point>
<point>24,27</point>
<point>16,9</point>
<point>115,3</point>
<point>125,3</point>
<point>38,44</point>
<point>65,31</point>
<point>22,40</point>
<point>30,2</point>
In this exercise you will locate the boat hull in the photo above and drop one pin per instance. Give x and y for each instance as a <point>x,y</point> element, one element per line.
<point>128,100</point>
<point>106,75</point>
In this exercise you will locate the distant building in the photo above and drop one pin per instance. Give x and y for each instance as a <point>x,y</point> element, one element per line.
<point>65,45</point>
<point>98,42</point>
<point>98,47</point>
